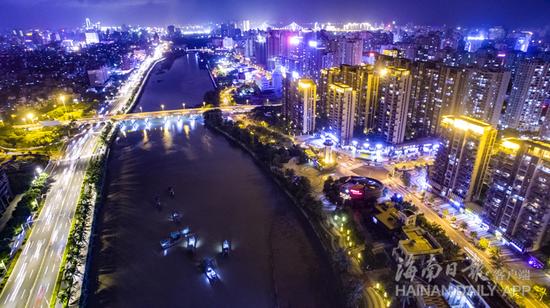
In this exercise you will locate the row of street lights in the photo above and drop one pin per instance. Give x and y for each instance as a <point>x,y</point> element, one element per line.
<point>31,117</point>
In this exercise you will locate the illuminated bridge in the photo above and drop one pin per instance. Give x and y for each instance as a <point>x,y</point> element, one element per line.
<point>175,112</point>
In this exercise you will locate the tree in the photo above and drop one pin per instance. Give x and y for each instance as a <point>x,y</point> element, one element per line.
<point>289,173</point>
<point>483,243</point>
<point>327,185</point>
<point>212,97</point>
<point>473,234</point>
<point>406,178</point>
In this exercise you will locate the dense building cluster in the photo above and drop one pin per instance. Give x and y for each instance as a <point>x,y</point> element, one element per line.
<point>397,84</point>
<point>37,64</point>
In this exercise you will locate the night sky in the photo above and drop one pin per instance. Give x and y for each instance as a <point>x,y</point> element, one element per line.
<point>67,13</point>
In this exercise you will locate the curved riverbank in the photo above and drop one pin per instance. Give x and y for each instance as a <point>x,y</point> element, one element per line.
<point>184,83</point>
<point>306,208</point>
<point>222,194</point>
<point>273,263</point>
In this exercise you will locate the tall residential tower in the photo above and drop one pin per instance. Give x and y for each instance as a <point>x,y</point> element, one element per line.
<point>461,162</point>
<point>519,192</point>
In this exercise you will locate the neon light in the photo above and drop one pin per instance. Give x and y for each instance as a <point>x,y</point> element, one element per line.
<point>294,40</point>
<point>516,247</point>
<point>313,44</point>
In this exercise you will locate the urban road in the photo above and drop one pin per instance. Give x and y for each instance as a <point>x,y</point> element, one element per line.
<point>462,241</point>
<point>347,166</point>
<point>33,278</point>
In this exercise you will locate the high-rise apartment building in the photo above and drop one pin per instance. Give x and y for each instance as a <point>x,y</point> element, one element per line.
<point>350,51</point>
<point>517,202</point>
<point>392,103</point>
<point>485,94</point>
<point>299,104</point>
<point>436,90</point>
<point>461,162</point>
<point>341,100</point>
<point>260,50</point>
<point>530,91</point>
<point>364,81</point>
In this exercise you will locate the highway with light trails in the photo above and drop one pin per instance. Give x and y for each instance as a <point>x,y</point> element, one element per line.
<point>33,278</point>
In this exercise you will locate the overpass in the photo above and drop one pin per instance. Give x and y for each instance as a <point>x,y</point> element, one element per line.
<point>237,109</point>
<point>179,112</point>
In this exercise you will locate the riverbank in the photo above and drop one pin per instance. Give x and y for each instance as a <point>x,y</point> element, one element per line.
<point>274,260</point>
<point>136,96</point>
<point>71,281</point>
<point>184,83</point>
<point>297,189</point>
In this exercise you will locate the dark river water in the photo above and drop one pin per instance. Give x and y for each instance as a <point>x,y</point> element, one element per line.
<point>221,194</point>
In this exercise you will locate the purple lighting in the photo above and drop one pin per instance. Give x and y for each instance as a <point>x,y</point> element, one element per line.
<point>535,263</point>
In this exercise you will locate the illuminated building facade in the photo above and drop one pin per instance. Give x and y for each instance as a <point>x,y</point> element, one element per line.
<point>517,202</point>
<point>436,91</point>
<point>462,159</point>
<point>392,103</point>
<point>523,39</point>
<point>341,100</point>
<point>363,81</point>
<point>260,50</point>
<point>485,94</point>
<point>91,37</point>
<point>327,76</point>
<point>350,51</point>
<point>530,90</point>
<point>299,104</point>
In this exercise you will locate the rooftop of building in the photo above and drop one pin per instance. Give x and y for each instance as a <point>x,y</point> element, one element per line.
<point>394,71</point>
<point>513,141</point>
<point>305,83</point>
<point>537,147</point>
<point>387,215</point>
<point>340,86</point>
<point>467,123</point>
<point>418,242</point>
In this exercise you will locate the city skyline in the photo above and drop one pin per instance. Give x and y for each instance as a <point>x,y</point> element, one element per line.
<point>162,153</point>
<point>70,13</point>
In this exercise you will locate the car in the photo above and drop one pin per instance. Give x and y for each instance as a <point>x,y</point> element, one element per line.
<point>226,247</point>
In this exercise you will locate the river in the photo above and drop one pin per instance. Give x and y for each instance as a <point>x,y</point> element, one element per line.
<point>221,194</point>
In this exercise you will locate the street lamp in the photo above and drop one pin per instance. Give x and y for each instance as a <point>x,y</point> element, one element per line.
<point>162,106</point>
<point>140,109</point>
<point>62,98</point>
<point>30,117</point>
<point>183,105</point>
